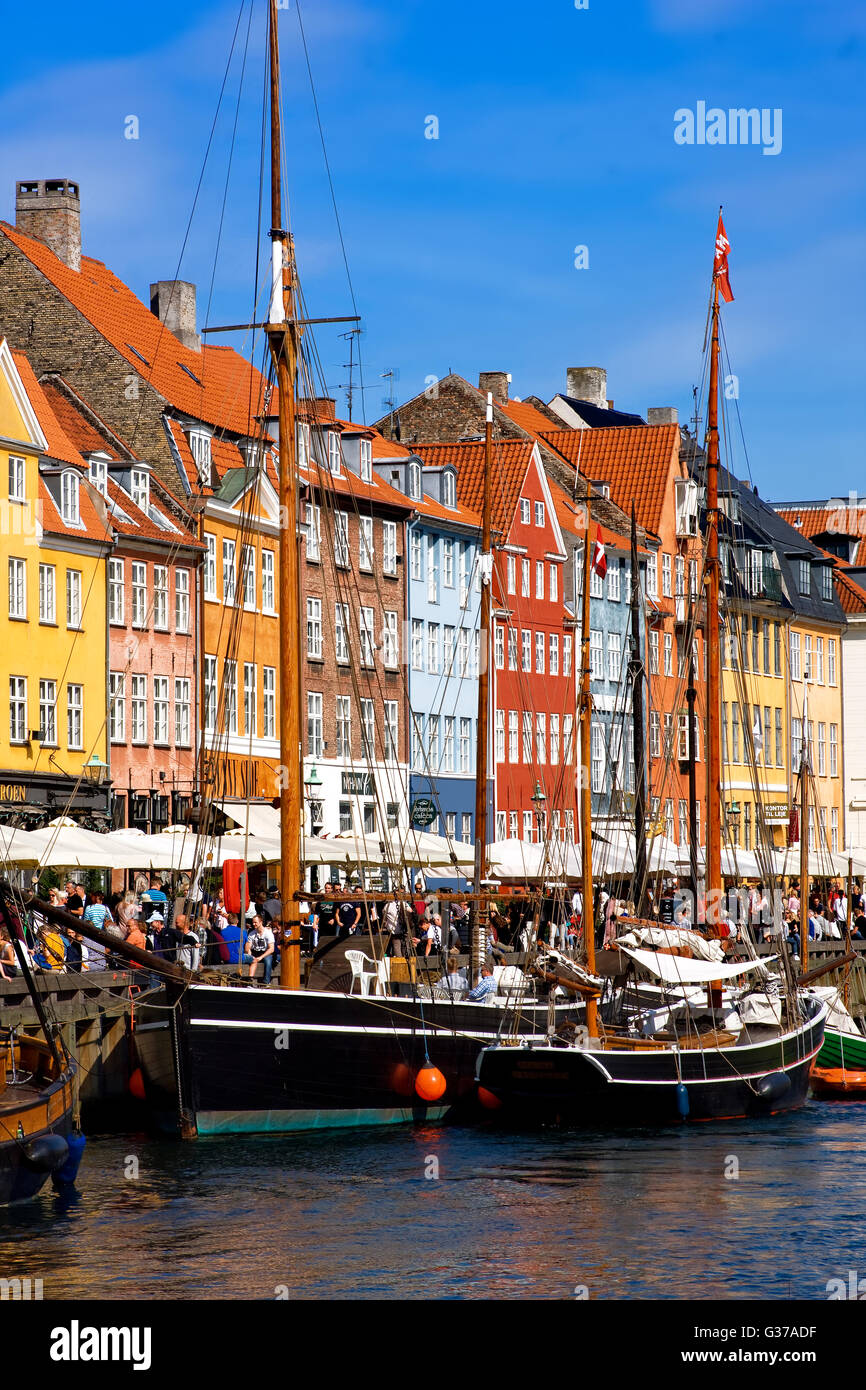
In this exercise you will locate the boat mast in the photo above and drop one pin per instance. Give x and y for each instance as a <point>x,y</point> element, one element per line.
<point>282,339</point>
<point>585,712</point>
<point>714,753</point>
<point>485,563</point>
<point>637,678</point>
<point>804,831</point>
<point>691,697</point>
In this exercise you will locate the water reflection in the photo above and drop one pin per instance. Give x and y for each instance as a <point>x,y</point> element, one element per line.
<point>456,1213</point>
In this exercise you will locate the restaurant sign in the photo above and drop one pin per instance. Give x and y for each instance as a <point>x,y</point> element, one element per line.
<point>358,784</point>
<point>423,811</point>
<point>13,791</point>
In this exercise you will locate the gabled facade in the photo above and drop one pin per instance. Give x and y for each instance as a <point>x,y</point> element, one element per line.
<point>533,677</point>
<point>54,542</point>
<point>443,601</point>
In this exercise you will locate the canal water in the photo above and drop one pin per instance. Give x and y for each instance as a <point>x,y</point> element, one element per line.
<point>771,1210</point>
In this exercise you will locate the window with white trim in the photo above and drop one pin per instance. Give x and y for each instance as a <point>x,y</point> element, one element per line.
<point>512,574</point>
<point>139,594</point>
<point>17,588</point>
<point>230,686</point>
<point>18,731</point>
<point>314,532</point>
<point>251,700</point>
<point>365,542</point>
<point>268,592</point>
<point>368,730</point>
<point>182,712</point>
<point>341,539</point>
<point>513,736</point>
<point>314,724</point>
<point>160,709</point>
<point>389,547</point>
<point>524,578</point>
<point>229,573</point>
<point>415,561</point>
<point>73,598</point>
<point>554,654</point>
<point>97,471</point>
<point>539,513</point>
<point>48,594</point>
<point>139,709</point>
<point>390,644</point>
<point>390,733</point>
<point>17,480</point>
<point>341,632</point>
<point>314,628</point>
<point>541,737</point>
<point>335,455</point>
<point>500,735</point>
<point>525,513</point>
<point>553,594</point>
<point>48,713</point>
<point>365,627</point>
<point>210,568</point>
<point>210,693</point>
<point>181,601</point>
<point>117,707</point>
<point>140,489</point>
<point>366,460</point>
<point>269,701</point>
<point>526,723</point>
<point>539,653</point>
<point>433,648</point>
<point>69,498</point>
<point>160,598</point>
<point>539,579</point>
<point>200,448</point>
<point>249,578</point>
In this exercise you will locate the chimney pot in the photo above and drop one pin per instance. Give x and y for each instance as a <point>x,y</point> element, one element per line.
<point>173,302</point>
<point>588,384</point>
<point>49,210</point>
<point>662,415</point>
<point>497,383</point>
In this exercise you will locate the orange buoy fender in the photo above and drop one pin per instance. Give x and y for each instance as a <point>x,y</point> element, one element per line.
<point>136,1084</point>
<point>430,1083</point>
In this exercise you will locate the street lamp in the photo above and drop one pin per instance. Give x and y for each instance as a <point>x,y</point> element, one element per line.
<point>312,788</point>
<point>95,771</point>
<point>538,799</point>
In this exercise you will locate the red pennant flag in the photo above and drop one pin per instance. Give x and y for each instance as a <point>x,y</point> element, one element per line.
<point>720,263</point>
<point>599,559</point>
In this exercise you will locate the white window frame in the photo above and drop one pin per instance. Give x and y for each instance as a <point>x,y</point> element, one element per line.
<point>181,601</point>
<point>117,707</point>
<point>48,594</point>
<point>161,710</point>
<point>182,712</point>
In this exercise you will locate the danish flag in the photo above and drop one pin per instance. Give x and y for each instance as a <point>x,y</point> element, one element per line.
<point>599,559</point>
<point>720,262</point>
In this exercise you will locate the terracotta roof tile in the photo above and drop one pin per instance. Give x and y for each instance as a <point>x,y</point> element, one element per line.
<point>60,446</point>
<point>348,484</point>
<point>571,517</point>
<point>83,434</point>
<point>216,385</point>
<point>812,521</point>
<point>529,419</point>
<point>638,462</point>
<point>511,459</point>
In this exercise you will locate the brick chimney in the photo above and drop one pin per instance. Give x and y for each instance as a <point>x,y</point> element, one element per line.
<point>325,407</point>
<point>588,384</point>
<point>173,302</point>
<point>662,415</point>
<point>49,210</point>
<point>497,383</point>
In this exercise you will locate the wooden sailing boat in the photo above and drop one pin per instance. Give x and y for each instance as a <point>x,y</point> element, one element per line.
<point>697,1067</point>
<point>37,1092</point>
<point>228,1058</point>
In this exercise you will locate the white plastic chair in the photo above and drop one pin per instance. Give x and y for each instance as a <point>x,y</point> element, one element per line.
<point>357,960</point>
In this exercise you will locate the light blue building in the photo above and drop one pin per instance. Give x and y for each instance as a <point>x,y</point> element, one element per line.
<point>441,646</point>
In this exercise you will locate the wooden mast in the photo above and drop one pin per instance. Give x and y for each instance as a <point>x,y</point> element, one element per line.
<point>585,711</point>
<point>713,883</point>
<point>637,679</point>
<point>485,562</point>
<point>691,748</point>
<point>282,331</point>
<point>804,831</point>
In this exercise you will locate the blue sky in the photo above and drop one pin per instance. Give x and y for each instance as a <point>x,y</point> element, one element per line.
<point>555,130</point>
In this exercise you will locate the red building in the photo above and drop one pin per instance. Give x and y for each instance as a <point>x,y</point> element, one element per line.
<point>533,690</point>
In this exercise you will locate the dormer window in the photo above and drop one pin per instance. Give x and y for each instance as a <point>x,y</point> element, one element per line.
<point>449,489</point>
<point>366,461</point>
<point>199,444</point>
<point>69,508</point>
<point>415,481</point>
<point>98,472</point>
<point>140,489</point>
<point>251,454</point>
<point>827,583</point>
<point>334,452</point>
<point>805,579</point>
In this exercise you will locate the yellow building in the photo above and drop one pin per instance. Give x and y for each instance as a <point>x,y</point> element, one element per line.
<point>755,716</point>
<point>54,540</point>
<point>816,661</point>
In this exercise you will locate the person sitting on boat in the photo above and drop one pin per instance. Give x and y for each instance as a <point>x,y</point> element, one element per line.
<point>455,981</point>
<point>260,948</point>
<point>486,986</point>
<point>8,963</point>
<point>433,934</point>
<point>858,928</point>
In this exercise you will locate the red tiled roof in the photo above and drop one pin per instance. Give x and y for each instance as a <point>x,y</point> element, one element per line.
<point>529,418</point>
<point>348,484</point>
<point>638,462</point>
<point>228,391</point>
<point>388,448</point>
<point>83,434</point>
<point>430,507</point>
<point>93,527</point>
<point>60,446</point>
<point>823,520</point>
<point>571,517</point>
<point>852,595</point>
<point>511,458</point>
